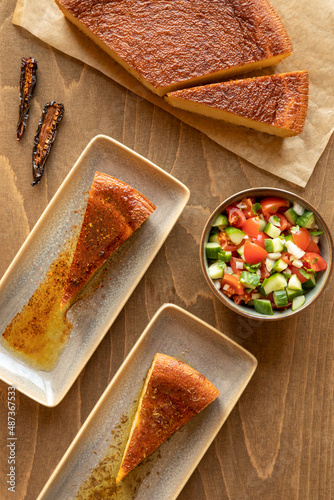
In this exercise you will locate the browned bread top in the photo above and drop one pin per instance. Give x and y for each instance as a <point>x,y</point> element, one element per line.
<point>114,211</point>
<point>172,43</point>
<point>278,100</point>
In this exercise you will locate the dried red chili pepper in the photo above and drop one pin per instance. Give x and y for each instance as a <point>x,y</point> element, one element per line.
<point>28,80</point>
<point>52,115</point>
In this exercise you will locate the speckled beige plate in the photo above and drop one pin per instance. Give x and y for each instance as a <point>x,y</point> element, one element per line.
<point>91,322</point>
<point>178,333</point>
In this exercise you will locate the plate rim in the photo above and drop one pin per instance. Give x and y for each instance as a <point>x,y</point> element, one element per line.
<point>48,209</point>
<point>131,354</point>
<point>70,174</point>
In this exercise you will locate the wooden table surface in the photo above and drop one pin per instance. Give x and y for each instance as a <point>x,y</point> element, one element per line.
<point>278,442</point>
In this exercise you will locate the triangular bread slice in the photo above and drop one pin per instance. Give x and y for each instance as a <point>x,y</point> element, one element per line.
<point>173,45</point>
<point>173,394</point>
<point>275,104</point>
<point>114,212</point>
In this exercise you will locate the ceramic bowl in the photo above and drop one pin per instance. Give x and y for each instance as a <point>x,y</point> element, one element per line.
<point>326,247</point>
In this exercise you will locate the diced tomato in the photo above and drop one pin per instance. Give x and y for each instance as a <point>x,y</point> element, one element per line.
<point>284,224</point>
<point>225,242</point>
<point>229,291</point>
<point>233,282</point>
<point>236,217</point>
<point>264,271</point>
<point>271,205</point>
<point>285,257</point>
<point>254,253</point>
<point>312,247</point>
<point>301,238</point>
<point>248,211</point>
<point>295,270</point>
<point>245,297</point>
<point>251,226</point>
<point>259,240</point>
<point>233,263</point>
<point>314,261</point>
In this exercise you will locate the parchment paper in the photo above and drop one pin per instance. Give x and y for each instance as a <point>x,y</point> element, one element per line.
<point>310,25</point>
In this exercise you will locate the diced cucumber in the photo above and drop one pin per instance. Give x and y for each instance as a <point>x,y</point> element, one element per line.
<point>288,237</point>
<point>213,238</point>
<point>262,224</point>
<point>249,280</point>
<point>220,220</point>
<point>235,234</point>
<point>291,216</point>
<point>273,245</point>
<point>306,220</point>
<point>310,283</point>
<point>240,251</point>
<point>268,245</point>
<point>262,291</point>
<point>263,306</point>
<point>293,293</point>
<point>280,265</point>
<point>216,270</point>
<point>224,255</point>
<point>272,230</point>
<point>280,298</point>
<point>212,250</point>
<point>294,283</point>
<point>298,302</point>
<point>274,283</point>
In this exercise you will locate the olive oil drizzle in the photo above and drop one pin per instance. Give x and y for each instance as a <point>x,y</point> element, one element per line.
<point>39,332</point>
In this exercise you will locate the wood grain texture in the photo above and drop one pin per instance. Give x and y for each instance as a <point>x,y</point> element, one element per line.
<point>278,442</point>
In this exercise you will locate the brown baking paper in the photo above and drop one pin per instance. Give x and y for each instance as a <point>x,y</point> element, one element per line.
<point>310,24</point>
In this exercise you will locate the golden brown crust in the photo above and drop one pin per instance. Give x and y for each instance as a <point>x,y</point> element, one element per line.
<point>174,393</point>
<point>114,211</point>
<point>277,100</point>
<point>167,45</point>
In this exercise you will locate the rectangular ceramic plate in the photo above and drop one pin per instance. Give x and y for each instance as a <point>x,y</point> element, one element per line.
<point>178,333</point>
<point>129,265</point>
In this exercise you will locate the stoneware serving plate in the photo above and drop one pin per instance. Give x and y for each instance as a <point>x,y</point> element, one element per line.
<point>93,316</point>
<point>326,247</point>
<point>89,467</point>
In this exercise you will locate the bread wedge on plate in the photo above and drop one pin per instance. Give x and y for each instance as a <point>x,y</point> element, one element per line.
<point>114,212</point>
<point>172,395</point>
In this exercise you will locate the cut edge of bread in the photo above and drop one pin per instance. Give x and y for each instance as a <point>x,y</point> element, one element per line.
<point>123,472</point>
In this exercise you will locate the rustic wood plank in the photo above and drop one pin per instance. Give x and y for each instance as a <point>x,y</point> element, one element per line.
<point>278,441</point>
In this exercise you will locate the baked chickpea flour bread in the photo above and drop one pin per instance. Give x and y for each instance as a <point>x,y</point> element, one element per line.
<point>173,45</point>
<point>275,104</point>
<point>114,212</point>
<point>173,394</point>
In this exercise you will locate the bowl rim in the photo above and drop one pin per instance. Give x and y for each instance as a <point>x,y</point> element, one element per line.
<point>264,191</point>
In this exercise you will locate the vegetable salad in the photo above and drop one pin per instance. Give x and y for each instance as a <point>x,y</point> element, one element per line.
<point>265,253</point>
